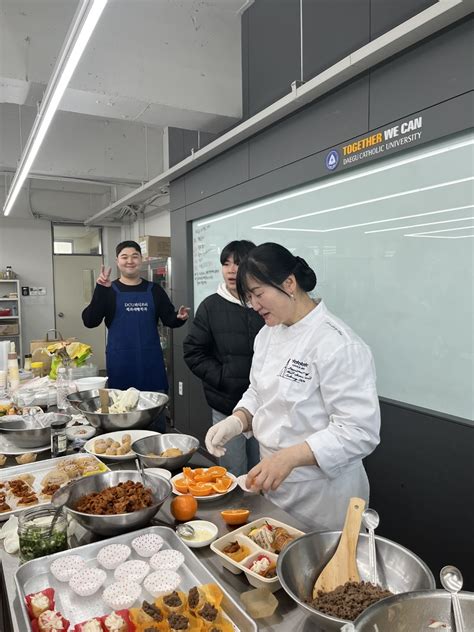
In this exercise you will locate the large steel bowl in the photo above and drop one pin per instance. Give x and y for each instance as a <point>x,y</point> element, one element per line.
<point>159,443</point>
<point>149,406</point>
<point>117,523</point>
<point>25,433</point>
<point>414,611</point>
<point>301,562</point>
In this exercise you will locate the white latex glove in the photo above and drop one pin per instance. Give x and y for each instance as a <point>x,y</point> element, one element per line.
<point>221,433</point>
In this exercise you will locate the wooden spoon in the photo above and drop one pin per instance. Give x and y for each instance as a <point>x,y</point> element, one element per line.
<point>342,567</point>
<point>104,400</point>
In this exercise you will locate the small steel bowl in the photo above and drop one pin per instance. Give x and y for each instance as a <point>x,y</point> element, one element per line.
<point>414,611</point>
<point>116,523</point>
<point>20,432</point>
<point>159,443</point>
<point>301,562</point>
<point>150,405</point>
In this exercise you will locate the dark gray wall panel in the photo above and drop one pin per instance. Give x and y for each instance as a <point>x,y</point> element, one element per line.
<point>333,119</point>
<point>429,73</point>
<point>387,14</point>
<point>179,257</point>
<point>200,413</point>
<point>332,30</point>
<point>177,194</point>
<point>181,402</point>
<point>274,51</point>
<point>421,484</point>
<point>225,171</point>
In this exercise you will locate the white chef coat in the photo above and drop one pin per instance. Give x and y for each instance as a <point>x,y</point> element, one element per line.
<point>314,381</point>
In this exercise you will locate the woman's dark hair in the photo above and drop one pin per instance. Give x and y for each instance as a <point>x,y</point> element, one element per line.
<point>127,244</point>
<point>272,264</point>
<point>238,250</point>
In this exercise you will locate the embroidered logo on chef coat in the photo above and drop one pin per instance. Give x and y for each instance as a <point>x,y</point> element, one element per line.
<point>136,307</point>
<point>296,371</point>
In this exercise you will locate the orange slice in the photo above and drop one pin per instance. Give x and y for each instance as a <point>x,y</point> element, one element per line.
<point>222,484</point>
<point>216,471</point>
<point>200,489</point>
<point>235,516</point>
<point>188,473</point>
<point>181,485</point>
<point>203,478</point>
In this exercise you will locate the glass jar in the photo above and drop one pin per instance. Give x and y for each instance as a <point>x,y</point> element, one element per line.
<point>27,362</point>
<point>58,438</point>
<point>37,369</point>
<point>36,538</point>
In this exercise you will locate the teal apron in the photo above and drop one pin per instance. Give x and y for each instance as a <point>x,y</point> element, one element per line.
<point>134,354</point>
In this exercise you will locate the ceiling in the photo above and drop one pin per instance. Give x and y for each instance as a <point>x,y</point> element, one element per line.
<point>158,62</point>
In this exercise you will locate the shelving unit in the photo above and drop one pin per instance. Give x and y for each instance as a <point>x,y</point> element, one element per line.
<point>9,287</point>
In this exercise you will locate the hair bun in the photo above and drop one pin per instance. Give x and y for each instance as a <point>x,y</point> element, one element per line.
<point>305,276</point>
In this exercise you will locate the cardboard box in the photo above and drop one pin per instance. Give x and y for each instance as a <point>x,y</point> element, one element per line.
<point>9,330</point>
<point>153,246</point>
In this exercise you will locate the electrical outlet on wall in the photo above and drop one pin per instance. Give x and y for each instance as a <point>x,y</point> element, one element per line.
<point>180,388</point>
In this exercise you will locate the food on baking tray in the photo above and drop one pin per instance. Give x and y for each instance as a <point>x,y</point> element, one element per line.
<point>3,459</point>
<point>48,491</point>
<point>36,603</point>
<point>27,478</point>
<point>113,448</point>
<point>55,477</point>
<point>263,566</point>
<point>28,457</point>
<point>122,498</point>
<point>118,621</point>
<point>174,601</point>
<point>349,600</point>
<point>199,595</point>
<point>50,621</point>
<point>92,625</point>
<point>144,617</point>
<point>179,622</point>
<point>236,551</point>
<point>263,536</point>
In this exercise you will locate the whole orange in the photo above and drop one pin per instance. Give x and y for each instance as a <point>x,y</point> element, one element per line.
<point>184,507</point>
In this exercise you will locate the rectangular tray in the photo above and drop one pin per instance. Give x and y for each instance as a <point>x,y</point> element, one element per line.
<point>34,576</point>
<point>271,584</point>
<point>39,470</point>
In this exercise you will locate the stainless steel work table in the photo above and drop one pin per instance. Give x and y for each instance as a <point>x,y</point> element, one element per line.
<point>288,617</point>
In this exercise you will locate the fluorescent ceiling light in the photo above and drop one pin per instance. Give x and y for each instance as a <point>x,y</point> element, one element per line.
<point>336,181</point>
<point>441,230</point>
<point>444,221</point>
<point>377,221</point>
<point>83,24</point>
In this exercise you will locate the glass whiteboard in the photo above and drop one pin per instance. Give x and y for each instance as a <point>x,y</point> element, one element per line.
<point>392,246</point>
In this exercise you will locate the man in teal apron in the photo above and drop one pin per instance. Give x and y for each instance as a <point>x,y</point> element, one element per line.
<point>131,307</point>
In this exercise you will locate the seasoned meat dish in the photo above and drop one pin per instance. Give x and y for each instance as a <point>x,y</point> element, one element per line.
<point>122,498</point>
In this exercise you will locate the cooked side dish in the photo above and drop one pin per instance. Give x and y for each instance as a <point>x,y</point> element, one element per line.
<point>349,600</point>
<point>122,498</point>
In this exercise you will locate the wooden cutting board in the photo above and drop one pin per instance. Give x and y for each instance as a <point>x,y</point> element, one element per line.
<point>342,567</point>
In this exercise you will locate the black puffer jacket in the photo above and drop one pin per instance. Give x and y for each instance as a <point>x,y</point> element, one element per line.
<point>219,350</point>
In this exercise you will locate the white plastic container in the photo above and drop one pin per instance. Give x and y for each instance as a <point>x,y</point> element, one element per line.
<point>90,383</point>
<point>240,535</point>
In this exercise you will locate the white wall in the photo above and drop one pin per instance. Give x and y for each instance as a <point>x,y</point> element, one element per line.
<point>158,225</point>
<point>26,245</point>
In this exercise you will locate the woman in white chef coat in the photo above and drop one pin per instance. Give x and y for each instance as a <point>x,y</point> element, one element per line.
<point>312,402</point>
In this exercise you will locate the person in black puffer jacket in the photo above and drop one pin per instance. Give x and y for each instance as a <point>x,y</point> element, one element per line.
<point>219,350</point>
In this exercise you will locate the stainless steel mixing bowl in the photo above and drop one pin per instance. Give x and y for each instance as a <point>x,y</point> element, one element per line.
<point>414,611</point>
<point>24,433</point>
<point>159,443</point>
<point>149,406</point>
<point>117,523</point>
<point>300,563</point>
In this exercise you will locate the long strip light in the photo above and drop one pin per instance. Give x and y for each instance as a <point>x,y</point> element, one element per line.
<point>428,234</point>
<point>82,27</point>
<point>336,181</point>
<point>444,221</point>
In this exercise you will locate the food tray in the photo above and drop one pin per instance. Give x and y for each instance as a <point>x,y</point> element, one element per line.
<point>39,470</point>
<point>240,535</point>
<point>35,576</point>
